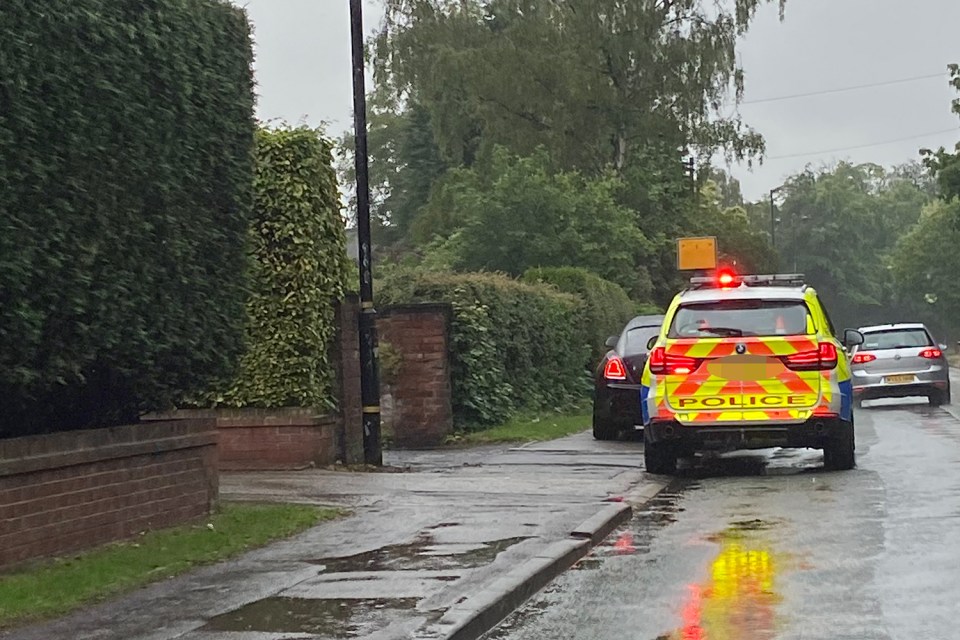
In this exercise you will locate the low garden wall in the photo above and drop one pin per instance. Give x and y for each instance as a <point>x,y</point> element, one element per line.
<point>69,491</point>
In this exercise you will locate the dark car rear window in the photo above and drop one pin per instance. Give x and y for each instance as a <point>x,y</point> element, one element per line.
<point>736,318</point>
<point>634,340</point>
<point>895,339</point>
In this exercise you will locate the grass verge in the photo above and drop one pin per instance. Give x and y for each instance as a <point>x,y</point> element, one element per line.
<point>56,587</point>
<point>528,428</point>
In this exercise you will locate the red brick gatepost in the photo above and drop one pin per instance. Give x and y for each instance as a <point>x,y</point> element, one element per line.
<point>421,414</point>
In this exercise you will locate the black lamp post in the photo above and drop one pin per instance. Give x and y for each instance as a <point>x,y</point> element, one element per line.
<point>369,377</point>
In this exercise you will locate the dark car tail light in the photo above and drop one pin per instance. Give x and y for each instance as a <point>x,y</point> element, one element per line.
<point>863,358</point>
<point>931,354</point>
<point>821,359</point>
<point>615,369</point>
<point>663,363</point>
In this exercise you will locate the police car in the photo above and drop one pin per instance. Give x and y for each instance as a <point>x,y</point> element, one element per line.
<point>747,362</point>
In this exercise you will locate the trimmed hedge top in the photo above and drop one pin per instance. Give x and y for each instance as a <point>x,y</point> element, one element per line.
<point>126,132</point>
<point>607,307</point>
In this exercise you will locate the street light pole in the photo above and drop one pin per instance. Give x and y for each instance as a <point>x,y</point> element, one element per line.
<point>773,219</point>
<point>369,377</point>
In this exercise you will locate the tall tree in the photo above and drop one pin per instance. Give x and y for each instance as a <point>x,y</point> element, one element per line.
<point>925,266</point>
<point>946,165</point>
<point>512,213</point>
<point>594,81</point>
<point>839,226</point>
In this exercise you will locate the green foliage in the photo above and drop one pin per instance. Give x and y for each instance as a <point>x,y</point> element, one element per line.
<point>390,359</point>
<point>515,213</point>
<point>127,137</point>
<point>839,226</point>
<point>925,267</point>
<point>57,587</point>
<point>513,345</point>
<point>299,270</point>
<point>607,307</point>
<point>592,80</point>
<point>740,242</point>
<point>538,427</point>
<point>576,161</point>
<point>943,164</point>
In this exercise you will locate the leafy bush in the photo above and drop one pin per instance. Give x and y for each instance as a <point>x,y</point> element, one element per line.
<point>607,307</point>
<point>299,268</point>
<point>125,173</point>
<point>513,345</point>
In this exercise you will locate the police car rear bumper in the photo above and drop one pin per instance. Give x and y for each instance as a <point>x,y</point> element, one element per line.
<point>813,433</point>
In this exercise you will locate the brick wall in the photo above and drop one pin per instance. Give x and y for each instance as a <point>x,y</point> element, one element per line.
<point>69,491</point>
<point>269,439</point>
<point>253,439</point>
<point>420,413</point>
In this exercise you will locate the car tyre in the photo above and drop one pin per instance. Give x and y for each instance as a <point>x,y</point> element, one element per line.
<point>938,398</point>
<point>603,429</point>
<point>659,457</point>
<point>839,454</point>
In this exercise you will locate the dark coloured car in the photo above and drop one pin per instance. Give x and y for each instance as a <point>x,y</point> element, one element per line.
<point>616,399</point>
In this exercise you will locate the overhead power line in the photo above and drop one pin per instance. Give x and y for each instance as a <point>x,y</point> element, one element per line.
<point>864,146</point>
<point>857,87</point>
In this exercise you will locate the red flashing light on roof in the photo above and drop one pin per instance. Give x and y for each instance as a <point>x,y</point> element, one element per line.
<point>726,279</point>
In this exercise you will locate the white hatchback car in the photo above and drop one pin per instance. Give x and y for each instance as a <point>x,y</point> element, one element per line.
<point>899,361</point>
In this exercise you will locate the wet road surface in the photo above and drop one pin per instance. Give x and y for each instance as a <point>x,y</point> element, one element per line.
<point>434,530</point>
<point>770,546</point>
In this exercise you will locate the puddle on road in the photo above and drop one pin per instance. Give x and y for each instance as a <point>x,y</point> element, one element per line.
<point>635,537</point>
<point>739,598</point>
<point>345,618</point>
<point>423,554</point>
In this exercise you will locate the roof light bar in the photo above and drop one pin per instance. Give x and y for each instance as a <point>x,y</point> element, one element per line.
<point>783,279</point>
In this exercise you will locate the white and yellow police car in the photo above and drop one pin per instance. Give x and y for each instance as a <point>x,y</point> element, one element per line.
<point>747,362</point>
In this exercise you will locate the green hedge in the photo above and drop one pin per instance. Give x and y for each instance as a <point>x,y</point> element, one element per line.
<point>607,307</point>
<point>126,133</point>
<point>299,268</point>
<point>514,345</point>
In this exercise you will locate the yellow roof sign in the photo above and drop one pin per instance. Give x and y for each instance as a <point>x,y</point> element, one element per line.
<point>697,253</point>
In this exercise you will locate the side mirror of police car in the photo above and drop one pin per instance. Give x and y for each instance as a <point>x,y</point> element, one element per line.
<point>852,338</point>
<point>611,342</point>
<point>651,343</point>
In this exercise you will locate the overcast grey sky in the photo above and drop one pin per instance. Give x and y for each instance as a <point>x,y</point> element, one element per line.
<point>303,73</point>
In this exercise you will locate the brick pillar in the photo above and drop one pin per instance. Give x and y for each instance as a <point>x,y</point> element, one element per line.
<point>347,354</point>
<point>422,413</point>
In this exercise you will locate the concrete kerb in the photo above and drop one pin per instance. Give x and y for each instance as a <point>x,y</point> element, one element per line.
<point>477,614</point>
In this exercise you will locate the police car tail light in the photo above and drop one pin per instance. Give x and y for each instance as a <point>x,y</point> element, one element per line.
<point>663,363</point>
<point>615,369</point>
<point>863,358</point>
<point>828,355</point>
<point>931,354</point>
<point>823,358</point>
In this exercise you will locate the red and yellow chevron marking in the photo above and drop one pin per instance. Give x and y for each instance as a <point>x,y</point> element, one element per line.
<point>720,347</point>
<point>752,387</point>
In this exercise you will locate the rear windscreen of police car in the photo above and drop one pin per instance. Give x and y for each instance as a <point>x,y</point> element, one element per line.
<point>738,318</point>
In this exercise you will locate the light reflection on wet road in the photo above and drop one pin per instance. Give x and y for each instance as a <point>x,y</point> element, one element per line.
<point>773,547</point>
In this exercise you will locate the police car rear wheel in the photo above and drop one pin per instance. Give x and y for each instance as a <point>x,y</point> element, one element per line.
<point>839,453</point>
<point>659,457</point>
